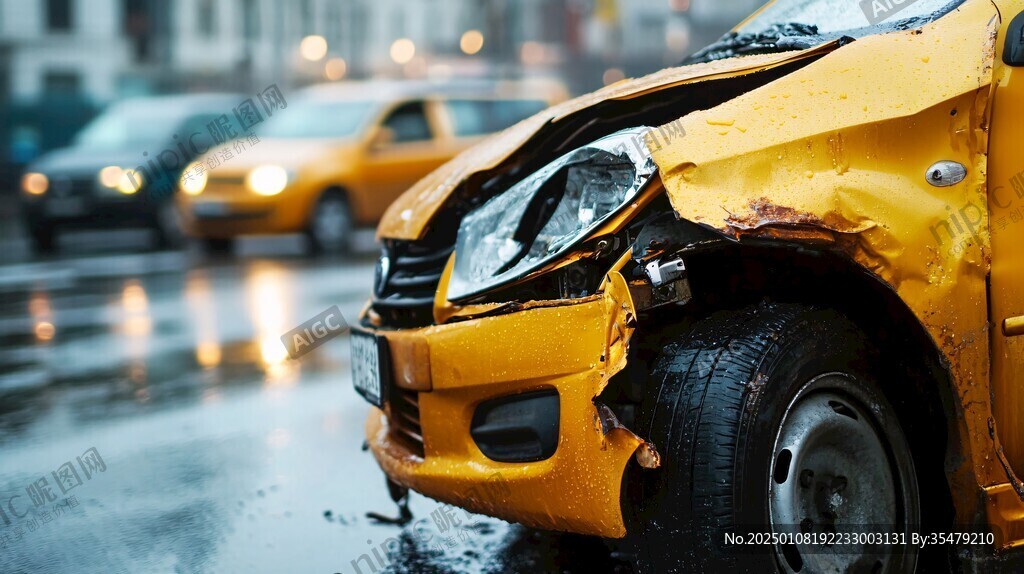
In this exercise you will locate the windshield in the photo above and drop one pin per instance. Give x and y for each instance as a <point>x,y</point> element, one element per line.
<point>129,127</point>
<point>833,16</point>
<point>319,119</point>
<point>787,25</point>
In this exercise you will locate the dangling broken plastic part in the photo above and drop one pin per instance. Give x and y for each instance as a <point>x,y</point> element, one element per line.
<point>400,495</point>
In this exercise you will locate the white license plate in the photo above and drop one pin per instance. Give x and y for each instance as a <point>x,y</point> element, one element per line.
<point>367,375</point>
<point>65,207</point>
<point>211,209</point>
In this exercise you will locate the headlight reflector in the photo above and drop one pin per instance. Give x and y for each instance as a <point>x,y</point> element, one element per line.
<point>267,180</point>
<point>110,176</point>
<point>126,181</point>
<point>543,216</point>
<point>130,182</point>
<point>193,181</point>
<point>34,183</point>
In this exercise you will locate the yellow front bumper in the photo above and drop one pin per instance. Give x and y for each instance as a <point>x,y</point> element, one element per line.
<point>573,347</point>
<point>244,212</point>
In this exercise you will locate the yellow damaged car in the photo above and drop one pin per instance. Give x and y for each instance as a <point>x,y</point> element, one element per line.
<point>762,312</point>
<point>337,156</point>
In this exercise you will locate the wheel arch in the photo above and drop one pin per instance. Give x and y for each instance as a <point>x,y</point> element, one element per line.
<point>335,189</point>
<point>352,196</point>
<point>725,275</point>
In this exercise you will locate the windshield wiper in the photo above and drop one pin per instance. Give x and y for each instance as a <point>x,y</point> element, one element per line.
<point>776,38</point>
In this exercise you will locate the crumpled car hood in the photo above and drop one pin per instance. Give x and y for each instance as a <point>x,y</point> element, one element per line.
<point>409,216</point>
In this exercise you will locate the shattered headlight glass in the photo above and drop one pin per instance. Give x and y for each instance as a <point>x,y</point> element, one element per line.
<point>546,214</point>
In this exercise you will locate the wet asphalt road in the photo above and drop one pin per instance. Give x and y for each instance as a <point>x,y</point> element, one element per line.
<point>214,452</point>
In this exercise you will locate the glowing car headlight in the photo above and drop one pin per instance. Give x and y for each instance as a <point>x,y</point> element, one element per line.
<point>126,181</point>
<point>130,182</point>
<point>34,183</point>
<point>267,180</point>
<point>110,176</point>
<point>195,182</point>
<point>542,217</point>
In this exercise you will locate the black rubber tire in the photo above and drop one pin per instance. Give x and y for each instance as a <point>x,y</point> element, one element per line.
<point>718,398</point>
<point>336,199</point>
<point>43,236</point>
<point>218,245</point>
<point>167,228</point>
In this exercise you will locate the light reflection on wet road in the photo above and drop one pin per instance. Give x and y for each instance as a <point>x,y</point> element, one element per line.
<point>221,454</point>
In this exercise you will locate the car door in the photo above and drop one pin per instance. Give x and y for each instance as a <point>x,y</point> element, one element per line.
<point>409,149</point>
<point>1006,224</point>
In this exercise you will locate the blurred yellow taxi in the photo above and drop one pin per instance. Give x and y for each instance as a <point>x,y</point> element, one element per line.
<point>338,155</point>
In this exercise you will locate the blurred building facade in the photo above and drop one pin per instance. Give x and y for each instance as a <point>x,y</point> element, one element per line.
<point>61,60</point>
<point>106,49</point>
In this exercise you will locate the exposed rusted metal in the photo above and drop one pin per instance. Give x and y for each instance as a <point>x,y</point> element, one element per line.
<point>1017,484</point>
<point>765,219</point>
<point>647,456</point>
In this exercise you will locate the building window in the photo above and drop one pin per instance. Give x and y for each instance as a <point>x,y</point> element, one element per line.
<point>306,16</point>
<point>58,15</point>
<point>138,27</point>
<point>206,18</point>
<point>333,26</point>
<point>358,28</point>
<point>64,83</point>
<point>250,19</point>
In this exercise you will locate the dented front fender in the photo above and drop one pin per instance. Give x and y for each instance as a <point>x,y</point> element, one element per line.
<point>839,151</point>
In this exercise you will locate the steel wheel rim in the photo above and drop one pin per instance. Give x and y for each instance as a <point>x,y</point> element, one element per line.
<point>330,223</point>
<point>170,223</point>
<point>833,470</point>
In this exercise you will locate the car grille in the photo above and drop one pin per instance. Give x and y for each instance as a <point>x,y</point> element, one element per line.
<point>65,186</point>
<point>82,187</point>
<point>228,180</point>
<point>404,288</point>
<point>403,298</point>
<point>405,419</point>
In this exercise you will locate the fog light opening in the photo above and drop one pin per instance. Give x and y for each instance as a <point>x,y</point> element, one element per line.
<point>518,428</point>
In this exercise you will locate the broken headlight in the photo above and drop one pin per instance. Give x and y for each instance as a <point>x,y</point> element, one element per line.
<point>546,214</point>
